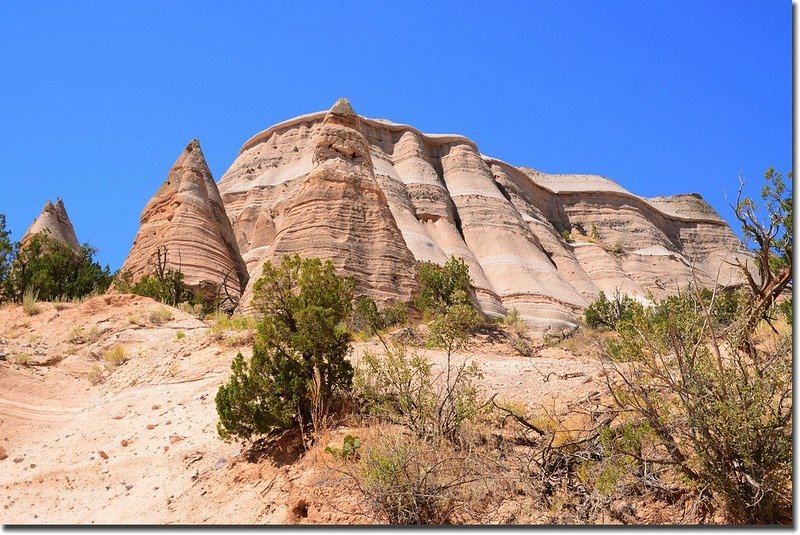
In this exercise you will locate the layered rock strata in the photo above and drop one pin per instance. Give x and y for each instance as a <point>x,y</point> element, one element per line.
<point>375,197</point>
<point>184,227</point>
<point>54,221</point>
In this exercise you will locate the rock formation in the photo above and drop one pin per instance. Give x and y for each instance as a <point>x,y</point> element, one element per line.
<point>55,222</point>
<point>375,196</point>
<point>335,211</point>
<point>186,223</point>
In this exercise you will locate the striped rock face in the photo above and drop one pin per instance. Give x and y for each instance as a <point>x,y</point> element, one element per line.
<point>376,197</point>
<point>55,222</point>
<point>186,220</point>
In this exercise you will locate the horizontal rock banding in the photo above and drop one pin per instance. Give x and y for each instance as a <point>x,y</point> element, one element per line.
<point>375,197</point>
<point>186,221</point>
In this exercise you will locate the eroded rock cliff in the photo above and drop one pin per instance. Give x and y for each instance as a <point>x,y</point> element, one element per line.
<point>375,197</point>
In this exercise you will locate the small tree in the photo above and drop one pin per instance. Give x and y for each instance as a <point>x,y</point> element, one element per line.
<point>443,286</point>
<point>605,312</point>
<point>299,351</point>
<point>716,393</point>
<point>6,255</point>
<point>54,270</point>
<point>772,242</point>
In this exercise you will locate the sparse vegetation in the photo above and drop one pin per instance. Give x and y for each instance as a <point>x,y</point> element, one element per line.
<point>78,335</point>
<point>23,359</point>
<point>134,319</point>
<point>513,322</point>
<point>566,235</point>
<point>233,331</point>
<point>367,318</point>
<point>714,389</point>
<point>180,335</point>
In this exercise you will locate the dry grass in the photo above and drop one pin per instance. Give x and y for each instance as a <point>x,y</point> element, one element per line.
<point>235,331</point>
<point>96,375</point>
<point>23,359</point>
<point>115,357</point>
<point>160,315</point>
<point>78,335</point>
<point>29,303</point>
<point>136,320</point>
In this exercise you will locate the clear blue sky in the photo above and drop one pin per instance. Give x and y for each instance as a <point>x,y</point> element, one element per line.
<point>99,98</point>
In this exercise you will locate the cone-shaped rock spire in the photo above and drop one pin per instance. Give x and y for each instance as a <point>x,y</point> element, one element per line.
<point>55,222</point>
<point>186,222</point>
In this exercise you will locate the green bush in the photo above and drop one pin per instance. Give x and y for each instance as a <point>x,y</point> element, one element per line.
<point>6,256</point>
<point>168,288</point>
<point>51,269</point>
<point>443,286</point>
<point>299,353</point>
<point>401,389</point>
<point>608,313</point>
<point>721,408</point>
<point>367,317</point>
<point>566,235</point>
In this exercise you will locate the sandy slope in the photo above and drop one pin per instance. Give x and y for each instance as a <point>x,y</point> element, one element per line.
<point>142,447</point>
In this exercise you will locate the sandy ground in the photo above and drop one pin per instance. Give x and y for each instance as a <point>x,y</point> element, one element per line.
<point>142,447</point>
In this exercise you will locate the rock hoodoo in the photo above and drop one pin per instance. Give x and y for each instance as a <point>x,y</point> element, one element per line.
<point>375,197</point>
<point>186,222</point>
<point>55,222</point>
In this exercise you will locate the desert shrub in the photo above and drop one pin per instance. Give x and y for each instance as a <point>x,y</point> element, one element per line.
<point>96,375</point>
<point>224,323</point>
<point>115,357</point>
<point>180,335</point>
<point>78,335</point>
<point>349,449</point>
<point>54,271</point>
<point>605,312</point>
<point>443,286</point>
<point>6,255</point>
<point>403,390</point>
<point>23,358</point>
<point>410,481</point>
<point>298,354</point>
<point>722,412</point>
<point>566,235</point>
<point>594,234</point>
<point>168,288</point>
<point>513,322</point>
<point>159,315</point>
